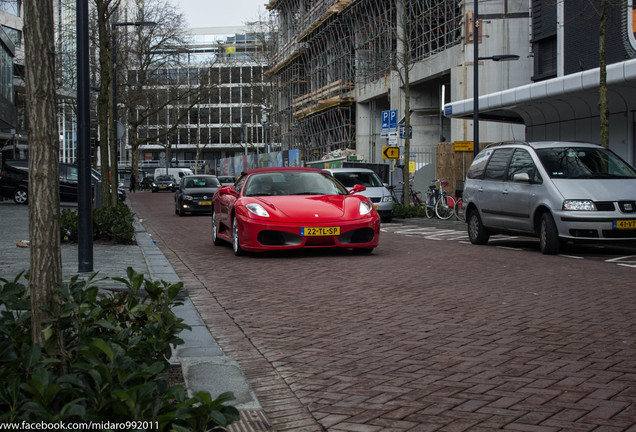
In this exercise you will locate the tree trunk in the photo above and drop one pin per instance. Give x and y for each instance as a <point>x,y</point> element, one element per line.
<point>406,65</point>
<point>103,102</point>
<point>44,145</point>
<point>602,87</point>
<point>134,150</point>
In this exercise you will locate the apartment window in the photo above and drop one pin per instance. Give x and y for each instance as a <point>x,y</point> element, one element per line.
<point>236,115</point>
<point>247,74</point>
<point>236,95</point>
<point>214,76</point>
<point>236,75</point>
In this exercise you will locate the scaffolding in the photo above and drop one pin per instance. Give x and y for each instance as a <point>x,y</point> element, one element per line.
<point>374,26</point>
<point>436,26</point>
<point>325,48</point>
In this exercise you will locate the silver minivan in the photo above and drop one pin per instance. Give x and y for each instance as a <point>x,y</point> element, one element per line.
<point>376,190</point>
<point>557,191</point>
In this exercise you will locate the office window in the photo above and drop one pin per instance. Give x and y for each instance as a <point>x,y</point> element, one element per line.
<point>545,54</point>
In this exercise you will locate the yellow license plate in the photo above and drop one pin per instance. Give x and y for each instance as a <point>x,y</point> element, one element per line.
<point>625,224</point>
<point>319,231</point>
<point>377,207</point>
<point>205,202</point>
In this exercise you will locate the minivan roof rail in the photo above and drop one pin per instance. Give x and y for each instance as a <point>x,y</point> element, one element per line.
<point>497,144</point>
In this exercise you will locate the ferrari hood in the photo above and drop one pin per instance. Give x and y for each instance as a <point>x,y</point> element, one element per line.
<point>309,208</point>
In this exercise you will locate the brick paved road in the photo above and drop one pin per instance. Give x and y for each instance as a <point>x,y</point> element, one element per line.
<point>423,335</point>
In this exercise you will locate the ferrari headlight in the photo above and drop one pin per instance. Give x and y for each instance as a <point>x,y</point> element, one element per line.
<point>579,205</point>
<point>257,209</point>
<point>365,207</point>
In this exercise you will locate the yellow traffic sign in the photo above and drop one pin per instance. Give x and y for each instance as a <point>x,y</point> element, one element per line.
<point>390,152</point>
<point>464,145</point>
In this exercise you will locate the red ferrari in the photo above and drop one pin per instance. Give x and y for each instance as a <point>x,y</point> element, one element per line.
<point>288,208</point>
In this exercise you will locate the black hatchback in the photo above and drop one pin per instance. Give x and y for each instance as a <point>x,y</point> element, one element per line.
<point>14,181</point>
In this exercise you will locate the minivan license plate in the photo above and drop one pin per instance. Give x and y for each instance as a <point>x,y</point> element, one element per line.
<point>319,231</point>
<point>625,224</point>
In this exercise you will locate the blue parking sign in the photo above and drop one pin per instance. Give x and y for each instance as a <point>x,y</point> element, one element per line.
<point>389,121</point>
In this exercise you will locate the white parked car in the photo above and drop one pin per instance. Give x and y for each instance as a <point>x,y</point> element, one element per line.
<point>376,191</point>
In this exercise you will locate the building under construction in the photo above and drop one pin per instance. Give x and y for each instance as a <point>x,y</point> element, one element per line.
<point>337,67</point>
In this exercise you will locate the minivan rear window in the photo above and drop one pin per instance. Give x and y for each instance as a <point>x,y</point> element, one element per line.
<point>476,170</point>
<point>498,165</point>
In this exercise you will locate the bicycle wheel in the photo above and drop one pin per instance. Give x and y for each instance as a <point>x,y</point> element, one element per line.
<point>429,208</point>
<point>445,207</point>
<point>459,209</point>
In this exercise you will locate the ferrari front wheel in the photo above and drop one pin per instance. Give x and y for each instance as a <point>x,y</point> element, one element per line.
<point>236,241</point>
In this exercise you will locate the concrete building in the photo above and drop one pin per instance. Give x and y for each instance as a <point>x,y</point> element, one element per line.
<point>562,101</point>
<point>11,80</point>
<point>232,117</point>
<point>337,68</point>
<point>13,121</point>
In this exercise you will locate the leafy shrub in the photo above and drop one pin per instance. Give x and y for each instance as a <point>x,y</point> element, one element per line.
<point>68,225</point>
<point>404,211</point>
<point>114,224</point>
<point>105,358</point>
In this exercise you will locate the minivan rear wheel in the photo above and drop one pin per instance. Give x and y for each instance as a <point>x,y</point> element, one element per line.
<point>476,231</point>
<point>549,242</point>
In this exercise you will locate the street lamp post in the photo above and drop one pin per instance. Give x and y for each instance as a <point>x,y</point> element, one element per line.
<point>114,61</point>
<point>84,184</point>
<point>476,58</point>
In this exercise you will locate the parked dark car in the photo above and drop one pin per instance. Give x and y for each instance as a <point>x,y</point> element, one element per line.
<point>164,182</point>
<point>195,194</point>
<point>227,180</point>
<point>14,181</point>
<point>146,183</point>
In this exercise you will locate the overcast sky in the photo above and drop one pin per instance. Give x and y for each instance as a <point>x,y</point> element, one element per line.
<point>215,13</point>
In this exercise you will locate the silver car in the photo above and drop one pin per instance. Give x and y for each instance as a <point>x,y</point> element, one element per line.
<point>557,191</point>
<point>376,190</point>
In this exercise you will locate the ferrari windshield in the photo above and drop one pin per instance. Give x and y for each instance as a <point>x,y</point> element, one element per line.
<point>292,183</point>
<point>584,162</point>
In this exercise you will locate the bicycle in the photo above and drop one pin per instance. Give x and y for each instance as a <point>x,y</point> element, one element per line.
<point>397,195</point>
<point>459,201</point>
<point>459,209</point>
<point>439,202</point>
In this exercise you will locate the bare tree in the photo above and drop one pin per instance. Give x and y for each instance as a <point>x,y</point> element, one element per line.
<point>402,65</point>
<point>160,82</point>
<point>44,198</point>
<point>603,106</point>
<point>104,11</point>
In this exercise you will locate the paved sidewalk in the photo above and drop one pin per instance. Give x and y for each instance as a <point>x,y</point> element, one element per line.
<point>205,367</point>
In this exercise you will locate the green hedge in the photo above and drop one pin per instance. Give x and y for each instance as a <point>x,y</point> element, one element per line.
<point>402,211</point>
<point>105,358</point>
<point>114,224</point>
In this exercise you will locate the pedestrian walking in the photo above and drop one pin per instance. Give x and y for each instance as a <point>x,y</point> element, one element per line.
<point>133,182</point>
